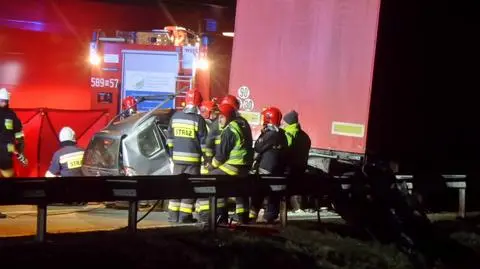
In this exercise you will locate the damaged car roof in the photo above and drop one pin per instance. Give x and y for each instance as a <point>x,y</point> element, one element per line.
<point>125,126</point>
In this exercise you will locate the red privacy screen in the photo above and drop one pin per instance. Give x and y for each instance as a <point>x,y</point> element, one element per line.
<point>312,56</point>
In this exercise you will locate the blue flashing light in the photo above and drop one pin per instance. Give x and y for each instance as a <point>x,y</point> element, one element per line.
<point>36,26</point>
<point>205,40</point>
<point>210,25</point>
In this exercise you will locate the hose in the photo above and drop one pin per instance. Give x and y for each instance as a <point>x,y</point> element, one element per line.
<point>149,211</point>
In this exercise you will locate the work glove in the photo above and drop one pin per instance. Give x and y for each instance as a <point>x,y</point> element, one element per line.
<point>22,159</point>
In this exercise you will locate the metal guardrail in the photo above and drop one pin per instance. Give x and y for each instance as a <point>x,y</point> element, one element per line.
<point>41,192</point>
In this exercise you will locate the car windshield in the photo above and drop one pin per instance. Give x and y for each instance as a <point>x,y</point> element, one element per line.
<point>103,152</point>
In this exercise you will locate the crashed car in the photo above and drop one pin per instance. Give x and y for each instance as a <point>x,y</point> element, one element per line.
<point>132,146</point>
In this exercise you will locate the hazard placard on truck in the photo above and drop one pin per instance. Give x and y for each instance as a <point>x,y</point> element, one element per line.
<point>314,57</point>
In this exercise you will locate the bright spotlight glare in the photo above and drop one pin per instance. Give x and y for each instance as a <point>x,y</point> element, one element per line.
<point>203,64</point>
<point>94,59</point>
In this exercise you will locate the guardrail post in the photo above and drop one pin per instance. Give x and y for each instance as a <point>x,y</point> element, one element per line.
<point>41,222</point>
<point>283,212</point>
<point>132,216</point>
<point>462,193</point>
<point>213,214</point>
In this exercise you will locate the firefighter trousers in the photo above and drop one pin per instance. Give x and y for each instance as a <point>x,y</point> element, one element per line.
<point>181,210</point>
<point>241,203</point>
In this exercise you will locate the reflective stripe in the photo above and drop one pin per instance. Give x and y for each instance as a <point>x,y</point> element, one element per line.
<point>215,163</point>
<point>252,214</point>
<point>186,156</point>
<point>186,159</point>
<point>203,170</point>
<point>184,123</point>
<point>173,205</point>
<point>66,157</point>
<point>186,208</point>
<point>240,210</point>
<point>208,152</point>
<point>229,169</point>
<point>8,124</point>
<point>10,148</point>
<point>203,205</point>
<point>170,143</point>
<point>19,135</point>
<point>238,153</point>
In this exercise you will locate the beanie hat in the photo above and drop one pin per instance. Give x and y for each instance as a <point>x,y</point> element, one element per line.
<point>291,117</point>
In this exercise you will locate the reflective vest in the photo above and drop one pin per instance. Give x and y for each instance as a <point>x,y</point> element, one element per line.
<point>238,156</point>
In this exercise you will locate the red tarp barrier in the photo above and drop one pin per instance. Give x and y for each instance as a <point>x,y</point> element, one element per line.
<point>41,128</point>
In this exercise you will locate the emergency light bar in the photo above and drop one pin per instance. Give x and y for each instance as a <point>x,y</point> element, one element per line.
<point>112,39</point>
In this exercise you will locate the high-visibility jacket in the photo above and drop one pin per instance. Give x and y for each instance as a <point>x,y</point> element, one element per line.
<point>187,133</point>
<point>235,151</point>
<point>299,144</point>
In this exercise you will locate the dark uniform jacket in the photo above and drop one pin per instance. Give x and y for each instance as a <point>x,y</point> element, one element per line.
<point>187,133</point>
<point>10,133</point>
<point>213,138</point>
<point>271,147</point>
<point>67,161</point>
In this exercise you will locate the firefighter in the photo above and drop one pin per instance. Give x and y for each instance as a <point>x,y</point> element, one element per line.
<point>68,160</point>
<point>270,148</point>
<point>11,138</point>
<point>187,133</point>
<point>233,101</point>
<point>234,154</point>
<point>209,110</point>
<point>298,149</point>
<point>129,106</point>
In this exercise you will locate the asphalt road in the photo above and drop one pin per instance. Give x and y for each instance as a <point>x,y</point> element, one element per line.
<point>21,220</point>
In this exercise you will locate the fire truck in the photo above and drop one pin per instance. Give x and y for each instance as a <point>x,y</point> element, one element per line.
<point>146,63</point>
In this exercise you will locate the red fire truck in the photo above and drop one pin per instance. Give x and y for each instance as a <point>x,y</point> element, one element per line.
<point>147,63</point>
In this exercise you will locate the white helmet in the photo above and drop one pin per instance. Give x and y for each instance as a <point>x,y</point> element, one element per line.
<point>67,134</point>
<point>4,94</point>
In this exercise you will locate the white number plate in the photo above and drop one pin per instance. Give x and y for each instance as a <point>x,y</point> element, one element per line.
<point>103,83</point>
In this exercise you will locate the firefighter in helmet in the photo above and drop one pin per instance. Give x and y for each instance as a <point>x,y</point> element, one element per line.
<point>67,161</point>
<point>11,138</point>
<point>234,154</point>
<point>129,106</point>
<point>187,133</point>
<point>209,111</point>
<point>271,159</point>
<point>243,123</point>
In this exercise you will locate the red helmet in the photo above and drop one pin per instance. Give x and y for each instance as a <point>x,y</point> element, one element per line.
<point>231,100</point>
<point>129,102</point>
<point>271,115</point>
<point>227,110</point>
<point>193,97</point>
<point>207,107</point>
